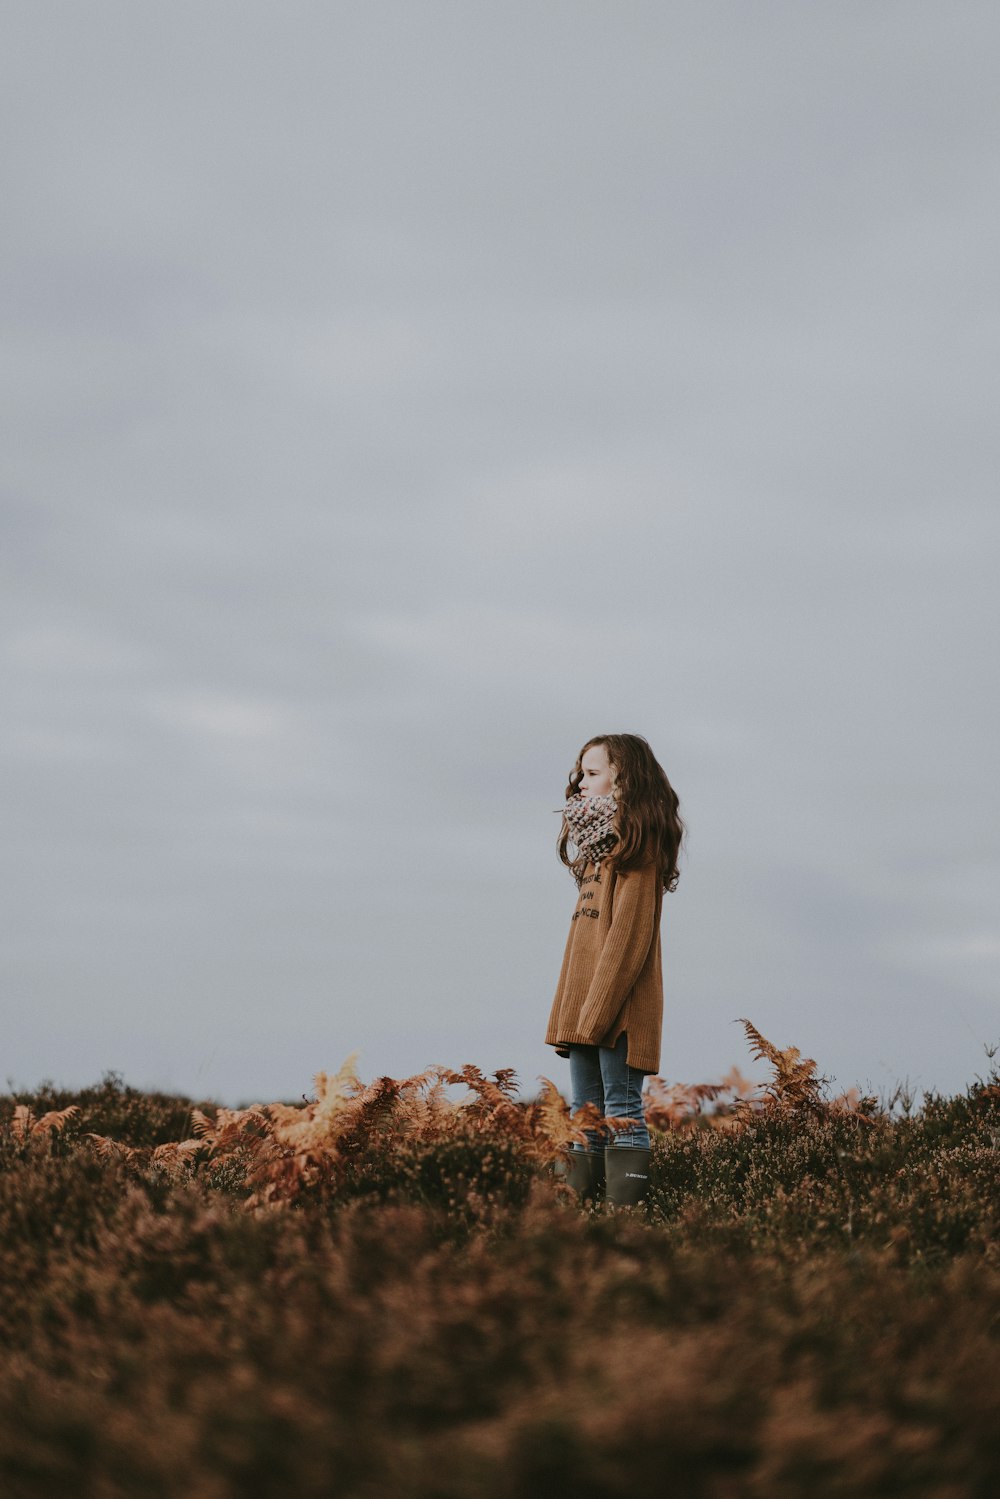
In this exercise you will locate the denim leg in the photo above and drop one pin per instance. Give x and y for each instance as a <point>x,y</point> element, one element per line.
<point>623,1093</point>
<point>587,1086</point>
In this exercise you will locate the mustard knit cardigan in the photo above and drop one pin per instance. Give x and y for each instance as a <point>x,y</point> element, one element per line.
<point>611,978</point>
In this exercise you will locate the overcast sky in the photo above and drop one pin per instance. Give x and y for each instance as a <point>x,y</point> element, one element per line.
<point>397,395</point>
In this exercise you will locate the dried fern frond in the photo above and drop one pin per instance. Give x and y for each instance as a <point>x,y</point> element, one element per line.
<point>760,1046</point>
<point>796,1084</point>
<point>425,1107</point>
<point>854,1103</point>
<point>333,1092</point>
<point>552,1121</point>
<point>55,1119</point>
<point>114,1150</point>
<point>506,1080</point>
<point>678,1106</point>
<point>587,1117</point>
<point>364,1114</point>
<point>486,1090</point>
<point>24,1122</point>
<point>740,1087</point>
<point>491,1105</point>
<point>201,1124</point>
<point>245,1129</point>
<point>177,1152</point>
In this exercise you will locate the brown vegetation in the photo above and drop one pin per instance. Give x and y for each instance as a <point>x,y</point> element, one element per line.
<point>386,1291</point>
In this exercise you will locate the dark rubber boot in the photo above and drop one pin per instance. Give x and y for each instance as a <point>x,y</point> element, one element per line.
<point>627,1168</point>
<point>585,1173</point>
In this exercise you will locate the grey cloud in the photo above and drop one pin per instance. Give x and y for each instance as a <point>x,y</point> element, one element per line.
<point>397,395</point>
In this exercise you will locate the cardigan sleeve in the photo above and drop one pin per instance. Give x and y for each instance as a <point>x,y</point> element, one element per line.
<point>625,948</point>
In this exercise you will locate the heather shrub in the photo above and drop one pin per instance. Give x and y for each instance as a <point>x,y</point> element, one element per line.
<point>388,1292</point>
<point>112,1108</point>
<point>466,1174</point>
<point>816,1181</point>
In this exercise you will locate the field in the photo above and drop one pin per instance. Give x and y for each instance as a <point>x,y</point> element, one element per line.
<point>388,1292</point>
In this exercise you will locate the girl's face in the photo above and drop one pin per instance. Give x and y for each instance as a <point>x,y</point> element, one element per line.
<point>595,779</point>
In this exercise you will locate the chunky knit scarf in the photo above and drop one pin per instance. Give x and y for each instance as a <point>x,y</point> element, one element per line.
<point>590,820</point>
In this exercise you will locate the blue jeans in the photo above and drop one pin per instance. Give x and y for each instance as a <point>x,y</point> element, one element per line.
<point>602,1076</point>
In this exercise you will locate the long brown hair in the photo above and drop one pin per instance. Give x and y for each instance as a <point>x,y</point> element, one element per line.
<point>647,820</point>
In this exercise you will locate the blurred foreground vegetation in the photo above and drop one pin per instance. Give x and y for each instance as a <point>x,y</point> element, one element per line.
<point>389,1295</point>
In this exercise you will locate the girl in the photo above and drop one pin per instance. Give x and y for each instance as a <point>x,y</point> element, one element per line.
<point>621,818</point>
